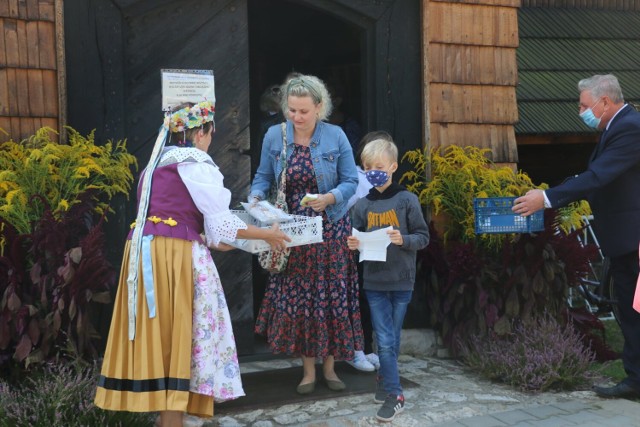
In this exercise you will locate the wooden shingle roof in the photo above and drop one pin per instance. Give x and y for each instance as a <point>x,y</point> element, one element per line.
<point>558,47</point>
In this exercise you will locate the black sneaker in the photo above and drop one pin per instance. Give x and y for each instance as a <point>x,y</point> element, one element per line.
<point>380,395</point>
<point>392,405</point>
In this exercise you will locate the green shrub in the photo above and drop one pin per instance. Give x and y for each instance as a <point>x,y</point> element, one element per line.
<point>61,396</point>
<point>39,175</point>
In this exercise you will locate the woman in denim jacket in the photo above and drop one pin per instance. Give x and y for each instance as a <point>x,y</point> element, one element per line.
<point>311,309</point>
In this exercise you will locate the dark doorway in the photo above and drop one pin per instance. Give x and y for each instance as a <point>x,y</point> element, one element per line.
<point>552,163</point>
<point>287,37</point>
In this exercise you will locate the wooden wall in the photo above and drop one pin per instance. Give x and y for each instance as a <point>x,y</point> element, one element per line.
<point>31,72</point>
<point>471,74</point>
<point>585,4</point>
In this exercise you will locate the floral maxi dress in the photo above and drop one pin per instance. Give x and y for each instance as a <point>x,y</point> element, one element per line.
<point>311,309</point>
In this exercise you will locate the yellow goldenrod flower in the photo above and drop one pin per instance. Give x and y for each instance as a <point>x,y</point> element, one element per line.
<point>11,195</point>
<point>63,205</point>
<point>82,172</point>
<point>58,174</point>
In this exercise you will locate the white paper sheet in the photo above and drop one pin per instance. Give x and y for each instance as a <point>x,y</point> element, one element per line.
<point>373,244</point>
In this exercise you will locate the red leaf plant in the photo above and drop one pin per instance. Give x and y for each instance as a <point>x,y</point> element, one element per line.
<point>49,280</point>
<point>473,291</point>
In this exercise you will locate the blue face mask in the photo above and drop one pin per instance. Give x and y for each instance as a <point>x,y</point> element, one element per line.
<point>377,178</point>
<point>589,118</point>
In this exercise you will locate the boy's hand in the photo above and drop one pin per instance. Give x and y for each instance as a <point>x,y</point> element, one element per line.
<point>353,243</point>
<point>396,237</point>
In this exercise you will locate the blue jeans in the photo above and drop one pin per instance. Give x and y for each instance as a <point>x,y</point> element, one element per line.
<point>387,314</point>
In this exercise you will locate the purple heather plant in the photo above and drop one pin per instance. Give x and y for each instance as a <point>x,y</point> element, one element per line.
<point>537,356</point>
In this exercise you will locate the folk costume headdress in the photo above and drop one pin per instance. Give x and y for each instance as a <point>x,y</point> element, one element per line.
<point>178,121</point>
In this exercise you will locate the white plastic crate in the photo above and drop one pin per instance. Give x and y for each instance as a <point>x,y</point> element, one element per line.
<point>303,230</point>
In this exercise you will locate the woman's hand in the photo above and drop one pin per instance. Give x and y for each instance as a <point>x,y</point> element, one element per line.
<point>396,237</point>
<point>321,203</point>
<point>353,243</point>
<point>276,238</point>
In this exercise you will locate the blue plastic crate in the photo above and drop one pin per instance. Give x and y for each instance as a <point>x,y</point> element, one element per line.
<point>494,215</point>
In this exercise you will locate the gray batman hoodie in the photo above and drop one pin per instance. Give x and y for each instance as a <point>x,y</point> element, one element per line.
<point>401,209</point>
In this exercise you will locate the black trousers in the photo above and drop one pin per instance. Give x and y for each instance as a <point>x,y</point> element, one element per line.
<point>625,276</point>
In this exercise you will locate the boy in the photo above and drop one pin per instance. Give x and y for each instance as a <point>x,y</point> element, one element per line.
<point>370,361</point>
<point>388,285</point>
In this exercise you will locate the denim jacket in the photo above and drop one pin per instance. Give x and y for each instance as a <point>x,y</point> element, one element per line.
<point>332,158</point>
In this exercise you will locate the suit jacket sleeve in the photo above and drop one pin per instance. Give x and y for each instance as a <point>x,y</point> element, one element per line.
<point>621,152</point>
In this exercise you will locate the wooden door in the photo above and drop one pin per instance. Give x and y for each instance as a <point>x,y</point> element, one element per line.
<point>115,51</point>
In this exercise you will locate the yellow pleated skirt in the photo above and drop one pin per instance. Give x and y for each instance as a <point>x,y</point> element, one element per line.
<point>152,372</point>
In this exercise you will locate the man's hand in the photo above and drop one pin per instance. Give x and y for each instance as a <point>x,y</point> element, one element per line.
<point>529,204</point>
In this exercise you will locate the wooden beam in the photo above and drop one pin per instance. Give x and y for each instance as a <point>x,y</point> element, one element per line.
<point>426,77</point>
<point>466,64</point>
<point>11,45</point>
<point>452,103</point>
<point>471,24</point>
<point>61,70</point>
<point>4,93</point>
<point>500,139</point>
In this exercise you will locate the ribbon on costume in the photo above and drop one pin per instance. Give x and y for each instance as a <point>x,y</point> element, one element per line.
<point>136,238</point>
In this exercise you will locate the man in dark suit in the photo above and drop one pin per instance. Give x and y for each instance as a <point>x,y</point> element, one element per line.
<point>611,185</point>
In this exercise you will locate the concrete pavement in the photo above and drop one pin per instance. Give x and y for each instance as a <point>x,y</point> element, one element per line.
<point>448,395</point>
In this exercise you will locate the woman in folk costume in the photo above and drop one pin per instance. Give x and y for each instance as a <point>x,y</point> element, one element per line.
<point>171,347</point>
